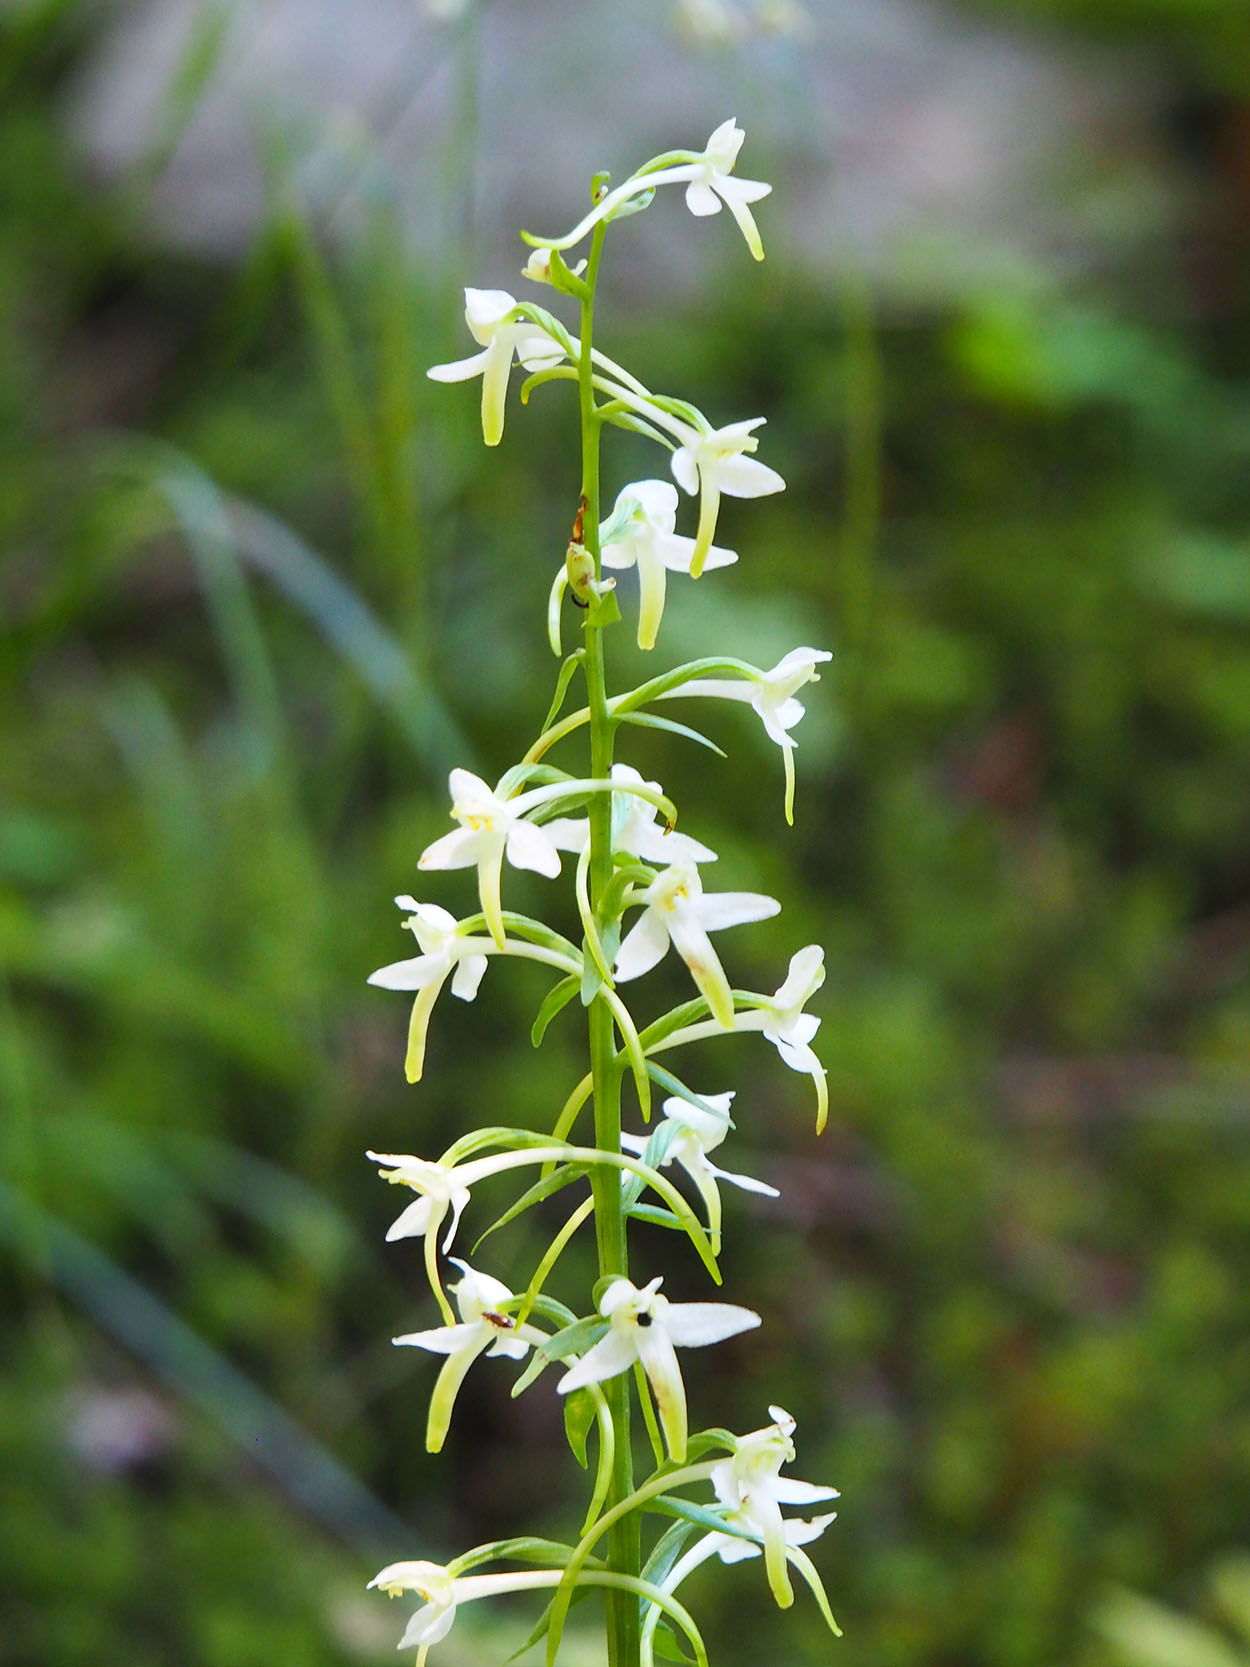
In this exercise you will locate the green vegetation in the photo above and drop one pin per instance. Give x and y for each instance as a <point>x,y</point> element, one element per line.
<point>241,544</point>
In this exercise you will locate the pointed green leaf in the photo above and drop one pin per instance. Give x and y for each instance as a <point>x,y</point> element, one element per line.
<point>563,679</point>
<point>579,1419</point>
<point>668,1548</point>
<point>533,1195</point>
<point>575,1339</point>
<point>650,720</point>
<point>668,1504</point>
<point>556,999</point>
<point>665,1644</point>
<point>656,1216</point>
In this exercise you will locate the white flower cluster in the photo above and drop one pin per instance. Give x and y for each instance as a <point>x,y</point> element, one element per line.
<point>640,891</point>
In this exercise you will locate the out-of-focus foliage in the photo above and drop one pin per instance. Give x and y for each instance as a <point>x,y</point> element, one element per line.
<point>260,588</point>
<point>1147,1634</point>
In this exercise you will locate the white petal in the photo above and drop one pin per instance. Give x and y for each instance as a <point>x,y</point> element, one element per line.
<point>411,1223</point>
<point>795,1032</point>
<point>413,974</point>
<point>428,1626</point>
<point>742,190</point>
<point>611,1354</point>
<point>719,909</point>
<point>448,1339</point>
<point>693,1325</point>
<point>656,844</point>
<point>508,1347</point>
<point>467,789</point>
<point>620,554</point>
<point>800,1058</point>
<point>483,310</point>
<point>801,1533</point>
<point>645,946</point>
<point>468,976</point>
<point>685,469</point>
<point>748,1183</point>
<point>744,477</point>
<point>725,142</point>
<point>733,1550</point>
<point>532,847</point>
<point>458,849</point>
<point>701,199</point>
<point>459,1198</point>
<point>658,501</point>
<point>461,371</point>
<point>787,1491</point>
<point>805,976</point>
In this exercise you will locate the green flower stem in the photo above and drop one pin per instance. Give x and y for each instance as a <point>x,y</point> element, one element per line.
<point>624,1551</point>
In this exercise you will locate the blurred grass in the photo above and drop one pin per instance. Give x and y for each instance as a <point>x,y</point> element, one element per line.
<point>259,591</point>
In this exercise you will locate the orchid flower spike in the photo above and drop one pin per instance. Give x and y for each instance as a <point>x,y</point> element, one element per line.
<point>636,829</point>
<point>772,694</point>
<point>639,533</point>
<point>701,1132</point>
<point>483,1328</point>
<point>444,952</point>
<point>486,312</point>
<point>720,462</point>
<point>678,912</point>
<point>646,1327</point>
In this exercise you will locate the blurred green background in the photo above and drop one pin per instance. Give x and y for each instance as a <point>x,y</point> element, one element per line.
<point>261,586</point>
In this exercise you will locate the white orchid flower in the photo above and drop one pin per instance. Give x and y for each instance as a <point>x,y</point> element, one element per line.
<point>636,829</point>
<point>447,951</point>
<point>790,1029</point>
<point>483,1328</point>
<point>647,1327</point>
<point>440,1187</point>
<point>538,267</point>
<point>772,694</point>
<point>678,912</point>
<point>752,1492</point>
<point>782,1020</point>
<point>713,185</point>
<point>444,1593</point>
<point>701,1133</point>
<point>708,178</point>
<point>716,463</point>
<point>444,953</point>
<point>492,828</point>
<point>750,1484</point>
<point>639,533</point>
<point>485,312</point>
